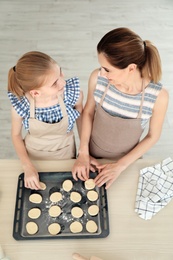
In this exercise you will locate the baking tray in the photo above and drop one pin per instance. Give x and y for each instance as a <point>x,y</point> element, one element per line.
<point>53,181</point>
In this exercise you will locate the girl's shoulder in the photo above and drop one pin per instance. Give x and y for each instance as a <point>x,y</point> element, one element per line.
<point>72,91</point>
<point>21,105</point>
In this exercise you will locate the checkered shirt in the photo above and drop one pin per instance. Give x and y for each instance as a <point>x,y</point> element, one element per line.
<point>51,114</point>
<point>155,189</point>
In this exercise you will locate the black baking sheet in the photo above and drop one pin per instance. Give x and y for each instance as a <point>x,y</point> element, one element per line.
<point>53,181</point>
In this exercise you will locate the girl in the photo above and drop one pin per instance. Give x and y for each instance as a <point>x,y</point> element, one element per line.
<point>47,106</point>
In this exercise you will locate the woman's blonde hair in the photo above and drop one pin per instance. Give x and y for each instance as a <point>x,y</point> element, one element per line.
<point>28,72</point>
<point>122,47</point>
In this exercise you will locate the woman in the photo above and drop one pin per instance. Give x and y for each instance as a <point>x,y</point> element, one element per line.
<point>47,106</point>
<point>124,95</point>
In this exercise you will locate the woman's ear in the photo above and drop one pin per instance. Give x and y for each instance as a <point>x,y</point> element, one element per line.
<point>34,93</point>
<point>132,67</point>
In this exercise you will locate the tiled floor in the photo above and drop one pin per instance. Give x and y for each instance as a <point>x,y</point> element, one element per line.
<point>69,31</point>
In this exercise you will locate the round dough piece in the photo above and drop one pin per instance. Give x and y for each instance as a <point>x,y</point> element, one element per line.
<point>75,196</point>
<point>35,198</point>
<point>92,195</point>
<point>93,210</point>
<point>76,227</point>
<point>43,185</point>
<point>91,226</point>
<point>34,213</point>
<point>77,212</point>
<point>89,184</point>
<point>31,228</point>
<point>67,185</point>
<point>54,211</point>
<point>56,196</point>
<point>54,228</point>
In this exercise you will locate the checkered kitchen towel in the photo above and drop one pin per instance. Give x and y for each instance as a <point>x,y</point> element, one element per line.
<point>155,189</point>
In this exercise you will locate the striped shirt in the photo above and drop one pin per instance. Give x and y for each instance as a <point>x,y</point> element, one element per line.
<point>51,114</point>
<point>124,105</point>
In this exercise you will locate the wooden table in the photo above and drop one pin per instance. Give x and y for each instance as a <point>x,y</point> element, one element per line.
<point>131,238</point>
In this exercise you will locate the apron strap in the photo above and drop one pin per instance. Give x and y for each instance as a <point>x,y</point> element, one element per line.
<point>142,99</point>
<point>61,103</point>
<point>104,94</point>
<point>32,108</point>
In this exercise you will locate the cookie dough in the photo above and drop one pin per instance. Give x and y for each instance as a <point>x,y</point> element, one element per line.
<point>54,228</point>
<point>67,185</point>
<point>56,196</point>
<point>43,185</point>
<point>75,196</point>
<point>76,227</point>
<point>54,211</point>
<point>35,198</point>
<point>34,213</point>
<point>89,184</point>
<point>93,210</point>
<point>77,212</point>
<point>31,228</point>
<point>92,195</point>
<point>91,226</point>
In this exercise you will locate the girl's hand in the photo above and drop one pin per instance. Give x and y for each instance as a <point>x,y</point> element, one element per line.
<point>108,173</point>
<point>31,178</point>
<point>83,164</point>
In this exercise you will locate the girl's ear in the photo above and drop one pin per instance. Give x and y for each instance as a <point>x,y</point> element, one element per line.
<point>34,93</point>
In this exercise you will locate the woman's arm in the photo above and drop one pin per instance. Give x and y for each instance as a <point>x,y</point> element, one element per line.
<point>82,164</point>
<point>31,174</point>
<point>110,172</point>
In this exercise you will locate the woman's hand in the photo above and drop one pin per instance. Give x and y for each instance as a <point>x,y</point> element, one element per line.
<point>108,173</point>
<point>31,178</point>
<point>83,164</point>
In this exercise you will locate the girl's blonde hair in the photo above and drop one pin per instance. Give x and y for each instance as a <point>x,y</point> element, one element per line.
<point>28,74</point>
<point>122,47</point>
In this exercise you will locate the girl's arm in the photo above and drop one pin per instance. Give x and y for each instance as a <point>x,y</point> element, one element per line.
<point>110,172</point>
<point>79,107</point>
<point>31,177</point>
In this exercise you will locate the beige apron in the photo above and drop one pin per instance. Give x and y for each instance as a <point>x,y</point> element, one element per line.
<point>112,137</point>
<point>46,141</point>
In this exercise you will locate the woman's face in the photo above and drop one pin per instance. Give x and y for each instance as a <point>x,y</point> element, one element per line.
<point>54,82</point>
<point>114,75</point>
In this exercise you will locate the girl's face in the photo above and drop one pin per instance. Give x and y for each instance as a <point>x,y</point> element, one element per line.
<point>54,83</point>
<point>114,75</point>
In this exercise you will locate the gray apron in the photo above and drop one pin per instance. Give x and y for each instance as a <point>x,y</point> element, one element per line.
<point>112,137</point>
<point>46,141</point>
